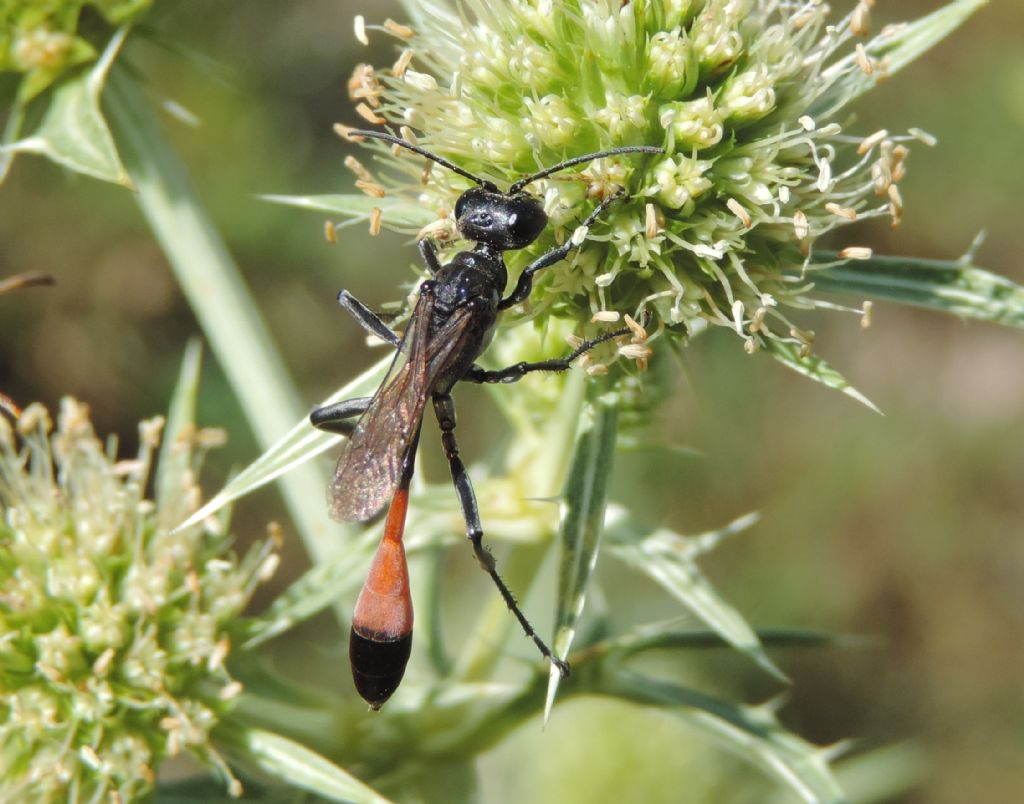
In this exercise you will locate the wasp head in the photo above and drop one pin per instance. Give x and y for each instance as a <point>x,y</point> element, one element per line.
<point>503,221</point>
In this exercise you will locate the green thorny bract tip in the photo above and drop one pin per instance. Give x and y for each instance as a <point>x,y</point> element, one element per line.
<point>113,626</point>
<point>742,94</point>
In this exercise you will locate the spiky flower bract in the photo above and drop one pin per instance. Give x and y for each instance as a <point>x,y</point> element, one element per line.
<point>113,626</point>
<point>744,96</point>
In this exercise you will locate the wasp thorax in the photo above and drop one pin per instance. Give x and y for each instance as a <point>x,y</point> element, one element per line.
<point>507,222</point>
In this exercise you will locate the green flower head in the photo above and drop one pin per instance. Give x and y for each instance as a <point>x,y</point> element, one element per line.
<point>743,95</point>
<point>113,626</point>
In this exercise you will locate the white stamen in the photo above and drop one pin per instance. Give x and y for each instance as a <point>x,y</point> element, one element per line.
<point>360,28</point>
<point>230,690</point>
<point>369,115</point>
<point>421,81</point>
<point>862,60</point>
<point>635,351</point>
<point>867,309</point>
<point>737,316</point>
<point>871,141</point>
<point>650,222</point>
<point>800,225</point>
<point>737,209</point>
<point>402,64</point>
<point>396,29</point>
<point>923,136</point>
<point>639,333</point>
<point>856,253</point>
<point>841,211</point>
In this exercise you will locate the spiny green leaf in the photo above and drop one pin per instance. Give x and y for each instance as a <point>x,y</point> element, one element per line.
<point>218,294</point>
<point>582,523</point>
<point>297,765</point>
<point>670,559</point>
<point>175,454</point>
<point>12,130</point>
<point>301,443</point>
<point>955,287</point>
<point>314,591</point>
<point>73,132</point>
<point>898,46</point>
<point>816,368</point>
<point>751,732</point>
<point>669,635</point>
<point>359,208</point>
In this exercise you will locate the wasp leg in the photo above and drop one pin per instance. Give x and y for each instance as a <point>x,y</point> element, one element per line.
<point>368,319</point>
<point>516,372</point>
<point>525,283</point>
<point>444,408</point>
<point>339,417</point>
<point>429,253</point>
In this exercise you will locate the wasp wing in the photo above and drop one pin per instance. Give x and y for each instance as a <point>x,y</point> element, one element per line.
<point>368,471</point>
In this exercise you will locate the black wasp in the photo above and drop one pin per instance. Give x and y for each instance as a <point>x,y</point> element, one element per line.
<point>449,328</point>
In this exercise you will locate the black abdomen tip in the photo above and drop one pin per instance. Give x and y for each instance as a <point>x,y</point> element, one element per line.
<point>378,665</point>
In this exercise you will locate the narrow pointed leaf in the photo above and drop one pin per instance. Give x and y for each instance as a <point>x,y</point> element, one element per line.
<point>671,560</point>
<point>175,454</point>
<point>669,635</point>
<point>73,132</point>
<point>752,733</point>
<point>218,294</point>
<point>297,765</point>
<point>955,287</point>
<point>301,443</point>
<point>12,130</point>
<point>815,368</point>
<point>582,523</point>
<point>898,45</point>
<point>313,592</point>
<point>359,207</point>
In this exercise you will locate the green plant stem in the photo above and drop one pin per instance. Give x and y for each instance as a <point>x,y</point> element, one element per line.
<point>219,297</point>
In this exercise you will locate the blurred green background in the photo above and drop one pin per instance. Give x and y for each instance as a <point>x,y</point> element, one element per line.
<point>907,528</point>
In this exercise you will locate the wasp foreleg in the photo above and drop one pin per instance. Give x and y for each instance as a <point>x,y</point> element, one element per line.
<point>368,319</point>
<point>525,283</point>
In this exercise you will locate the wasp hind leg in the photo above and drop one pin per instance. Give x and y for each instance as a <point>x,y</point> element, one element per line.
<point>340,417</point>
<point>444,408</point>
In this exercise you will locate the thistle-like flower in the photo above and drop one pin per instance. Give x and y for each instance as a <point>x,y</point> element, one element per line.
<point>744,96</point>
<point>113,626</point>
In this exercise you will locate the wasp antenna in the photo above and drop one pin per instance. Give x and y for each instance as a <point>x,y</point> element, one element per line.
<point>625,149</point>
<point>380,135</point>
